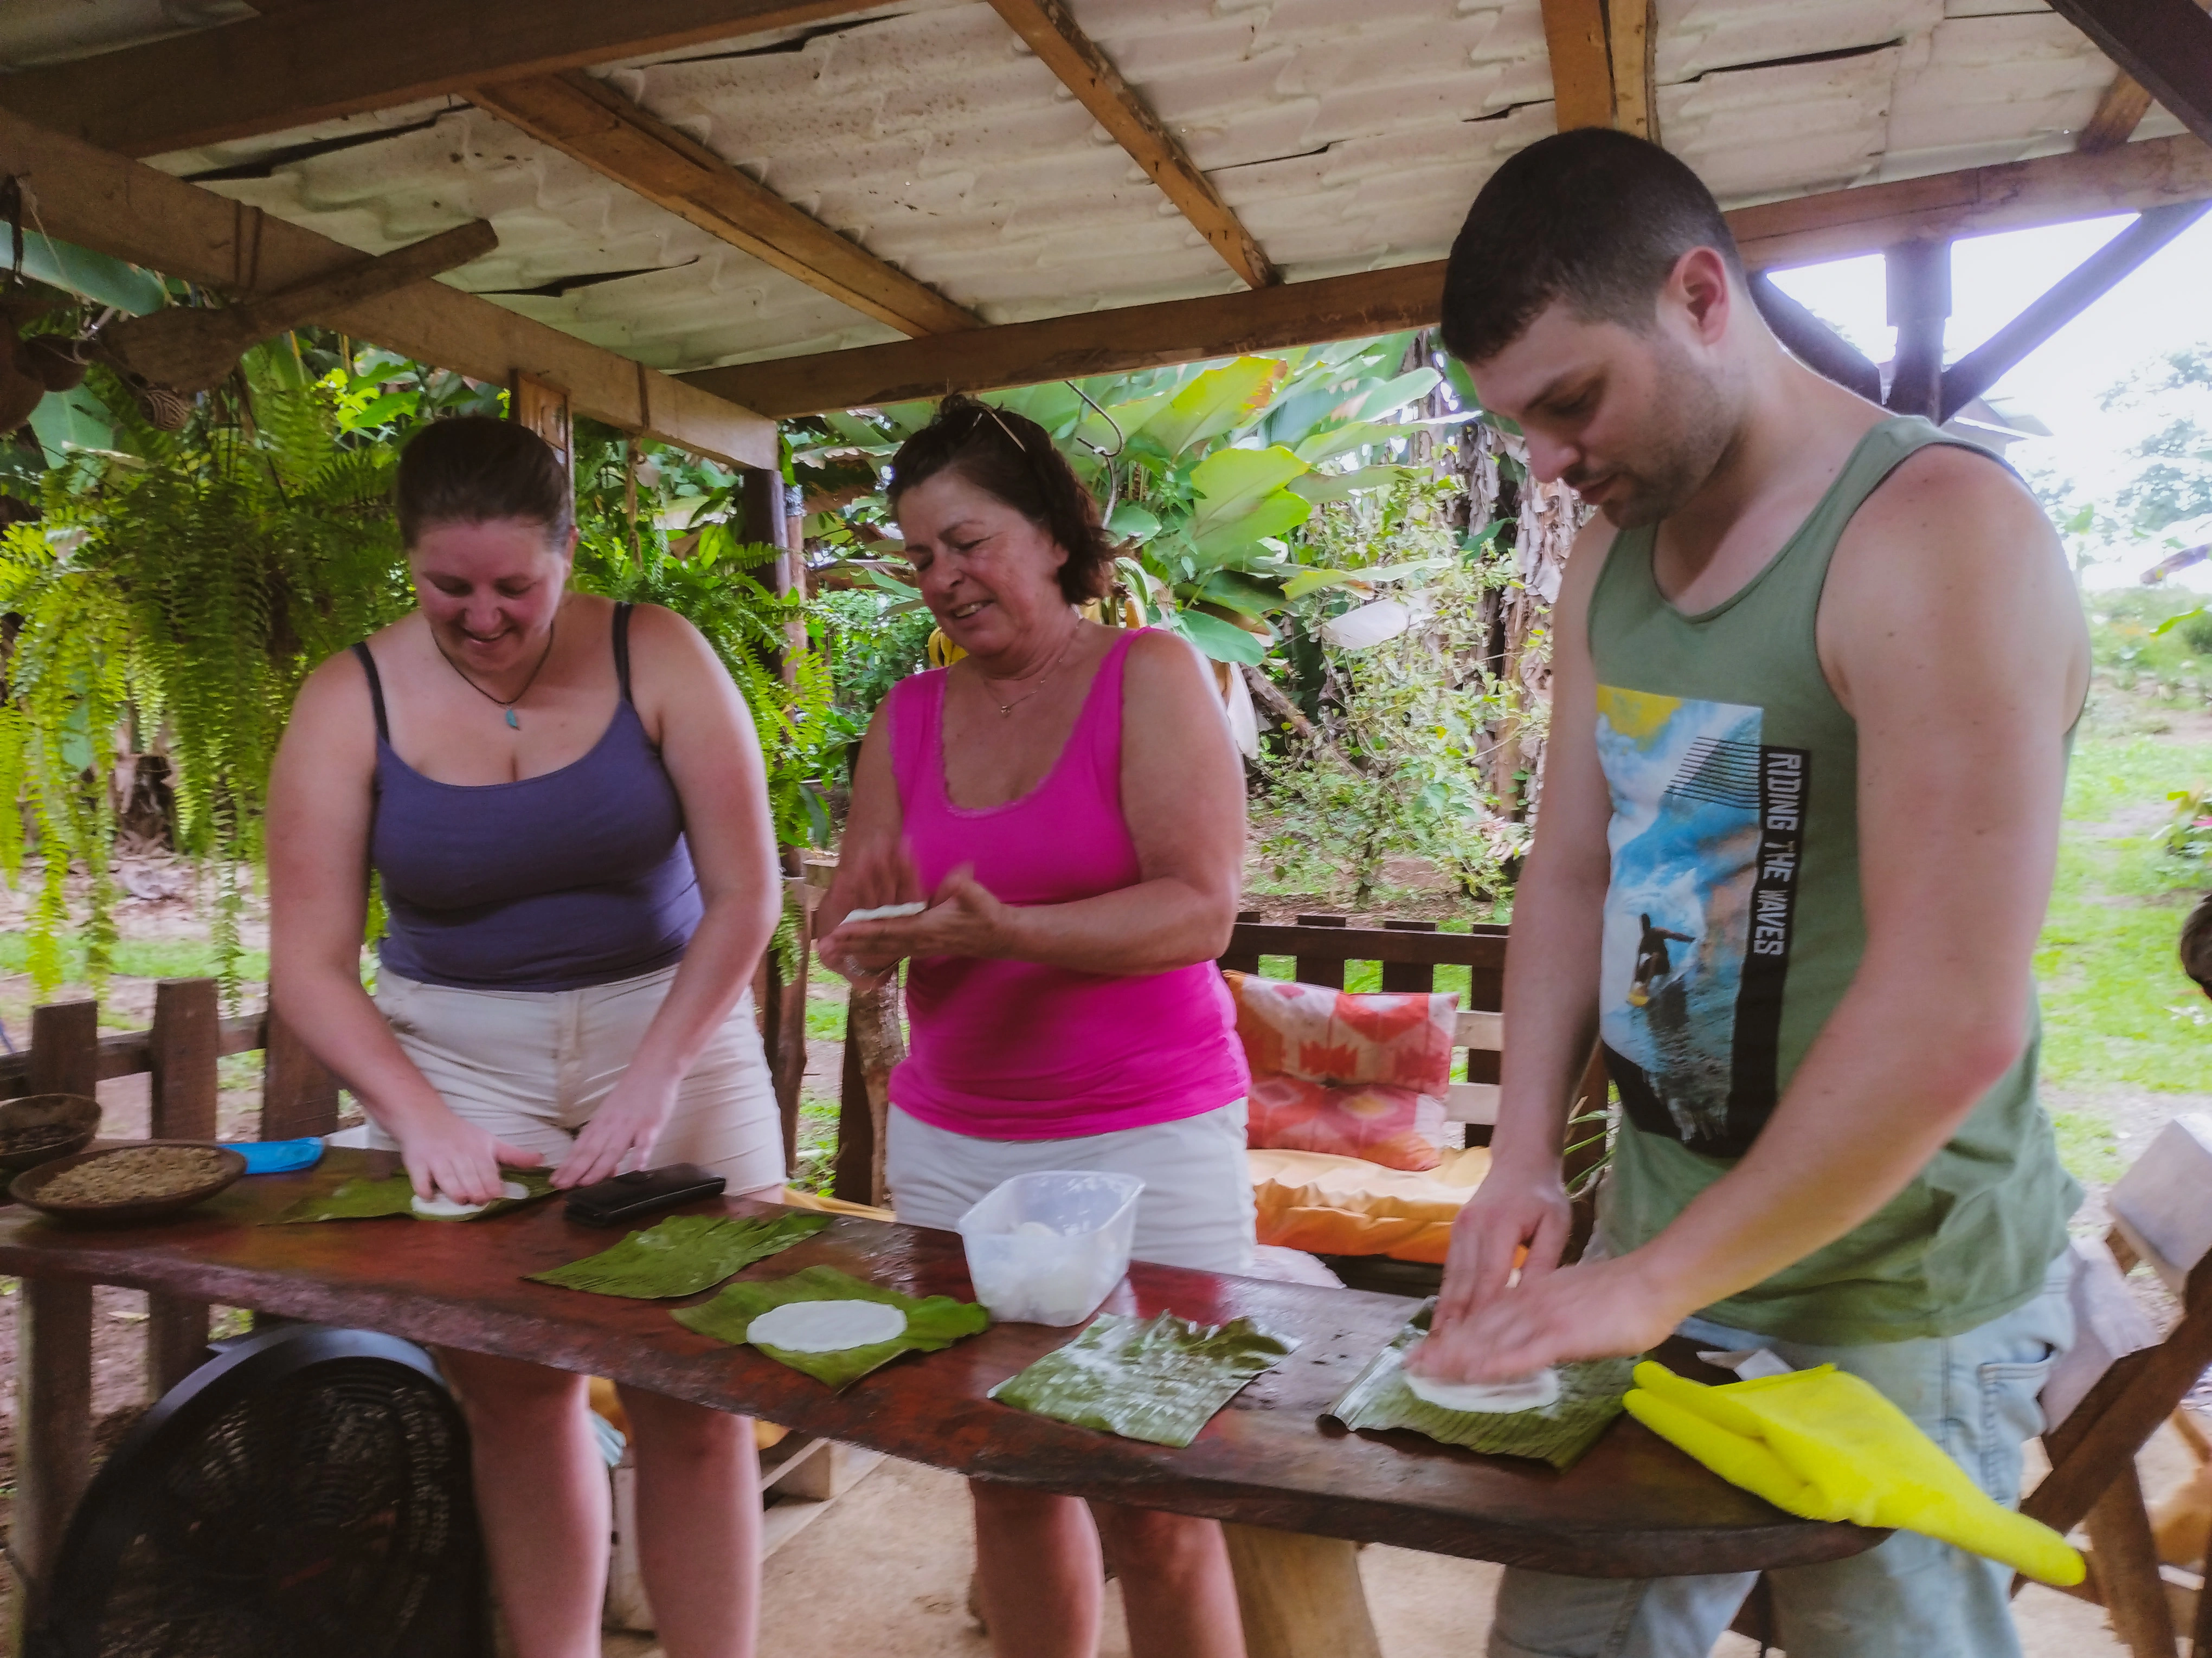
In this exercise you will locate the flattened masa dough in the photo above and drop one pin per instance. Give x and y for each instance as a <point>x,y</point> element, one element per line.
<point>826,1327</point>
<point>887,912</point>
<point>1531,1392</point>
<point>439,1206</point>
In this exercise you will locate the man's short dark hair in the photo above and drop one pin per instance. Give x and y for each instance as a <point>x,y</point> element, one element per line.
<point>1595,217</point>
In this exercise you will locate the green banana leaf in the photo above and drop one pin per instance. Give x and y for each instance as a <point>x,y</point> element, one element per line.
<point>1160,1379</point>
<point>682,1256</point>
<point>394,1194</point>
<point>930,1325</point>
<point>1590,1397</point>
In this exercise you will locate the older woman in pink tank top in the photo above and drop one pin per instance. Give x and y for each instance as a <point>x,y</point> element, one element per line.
<point>1065,1009</point>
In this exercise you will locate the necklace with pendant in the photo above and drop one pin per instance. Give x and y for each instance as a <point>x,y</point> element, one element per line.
<point>1006,709</point>
<point>551,634</point>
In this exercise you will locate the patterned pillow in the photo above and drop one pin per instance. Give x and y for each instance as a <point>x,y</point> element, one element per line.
<point>1360,1075</point>
<point>1399,1037</point>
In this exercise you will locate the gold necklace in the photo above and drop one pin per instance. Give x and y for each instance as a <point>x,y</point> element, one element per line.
<point>1006,709</point>
<point>508,704</point>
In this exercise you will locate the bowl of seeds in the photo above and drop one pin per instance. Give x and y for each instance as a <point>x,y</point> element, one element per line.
<point>44,1127</point>
<point>145,1180</point>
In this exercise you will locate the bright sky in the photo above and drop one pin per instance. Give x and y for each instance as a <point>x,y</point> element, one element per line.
<point>2164,305</point>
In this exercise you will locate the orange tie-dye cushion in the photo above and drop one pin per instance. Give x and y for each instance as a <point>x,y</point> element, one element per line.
<point>1353,1075</point>
<point>1396,1127</point>
<point>1403,1038</point>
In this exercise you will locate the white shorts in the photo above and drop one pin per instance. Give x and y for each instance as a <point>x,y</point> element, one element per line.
<point>1197,1206</point>
<point>531,1067</point>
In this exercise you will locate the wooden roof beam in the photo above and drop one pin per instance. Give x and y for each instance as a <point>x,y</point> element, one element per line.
<point>2165,45</point>
<point>589,120</point>
<point>124,208</point>
<point>1048,29</point>
<point>303,64</point>
<point>2119,112</point>
<point>1582,69</point>
<point>1837,224</point>
<point>1631,43</point>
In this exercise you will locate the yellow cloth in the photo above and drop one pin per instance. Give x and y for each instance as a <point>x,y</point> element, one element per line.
<point>1327,1205</point>
<point>1824,1444</point>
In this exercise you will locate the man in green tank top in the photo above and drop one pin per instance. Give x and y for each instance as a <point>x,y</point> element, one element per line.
<point>1814,675</point>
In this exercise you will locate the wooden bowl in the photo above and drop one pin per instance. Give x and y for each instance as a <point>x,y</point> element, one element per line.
<point>26,1187</point>
<point>77,1116</point>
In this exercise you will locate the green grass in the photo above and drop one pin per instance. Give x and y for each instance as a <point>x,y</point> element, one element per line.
<point>2116,1008</point>
<point>2087,1146</point>
<point>825,1021</point>
<point>135,958</point>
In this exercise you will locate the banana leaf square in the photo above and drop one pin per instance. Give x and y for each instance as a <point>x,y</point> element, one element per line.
<point>1590,1392</point>
<point>1158,1379</point>
<point>932,1324</point>
<point>682,1256</point>
<point>364,1199</point>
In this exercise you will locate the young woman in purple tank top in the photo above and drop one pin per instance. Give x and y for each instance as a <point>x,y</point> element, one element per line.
<point>1067,801</point>
<point>565,803</point>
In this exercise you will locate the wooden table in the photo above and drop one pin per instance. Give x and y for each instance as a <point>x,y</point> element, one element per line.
<point>1633,1507</point>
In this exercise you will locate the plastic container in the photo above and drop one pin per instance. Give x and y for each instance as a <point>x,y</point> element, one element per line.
<point>1047,1248</point>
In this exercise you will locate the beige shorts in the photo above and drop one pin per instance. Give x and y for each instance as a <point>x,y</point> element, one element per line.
<point>531,1067</point>
<point>1197,1206</point>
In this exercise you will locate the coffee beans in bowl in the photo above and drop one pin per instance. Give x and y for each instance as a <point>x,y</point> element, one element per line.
<point>147,1180</point>
<point>44,1127</point>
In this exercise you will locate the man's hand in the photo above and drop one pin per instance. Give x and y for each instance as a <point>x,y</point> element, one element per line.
<point>1602,1310</point>
<point>1513,1219</point>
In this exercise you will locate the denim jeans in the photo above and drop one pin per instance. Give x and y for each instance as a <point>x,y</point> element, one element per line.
<point>1973,1394</point>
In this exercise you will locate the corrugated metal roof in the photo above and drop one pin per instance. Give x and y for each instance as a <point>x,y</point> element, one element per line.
<point>1345,135</point>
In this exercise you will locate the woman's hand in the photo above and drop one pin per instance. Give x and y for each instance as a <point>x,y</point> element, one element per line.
<point>852,949</point>
<point>962,919</point>
<point>629,1120</point>
<point>458,1160</point>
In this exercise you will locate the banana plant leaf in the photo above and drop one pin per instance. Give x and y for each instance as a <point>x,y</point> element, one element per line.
<point>930,1325</point>
<point>682,1256</point>
<point>1590,1397</point>
<point>1160,1379</point>
<point>394,1194</point>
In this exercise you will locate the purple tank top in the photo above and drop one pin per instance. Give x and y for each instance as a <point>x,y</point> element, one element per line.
<point>579,877</point>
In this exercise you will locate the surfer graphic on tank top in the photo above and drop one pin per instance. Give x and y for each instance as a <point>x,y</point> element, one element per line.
<point>1706,824</point>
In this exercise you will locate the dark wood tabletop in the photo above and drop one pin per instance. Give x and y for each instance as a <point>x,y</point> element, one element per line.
<point>1633,1507</point>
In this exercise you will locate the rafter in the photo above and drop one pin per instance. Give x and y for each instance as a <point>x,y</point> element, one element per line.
<point>133,212</point>
<point>596,125</point>
<point>1060,45</point>
<point>2165,45</point>
<point>2118,113</point>
<point>1582,73</point>
<point>1632,38</point>
<point>314,63</point>
<point>1834,225</point>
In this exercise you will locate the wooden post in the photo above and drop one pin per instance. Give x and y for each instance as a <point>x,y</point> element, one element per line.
<point>2123,1557</point>
<point>543,408</point>
<point>182,1044</point>
<point>53,1337</point>
<point>786,1054</point>
<point>299,1095</point>
<point>873,1045</point>
<point>1919,282</point>
<point>1300,1596</point>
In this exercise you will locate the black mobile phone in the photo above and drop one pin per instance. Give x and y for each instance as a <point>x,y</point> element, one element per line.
<point>641,1191</point>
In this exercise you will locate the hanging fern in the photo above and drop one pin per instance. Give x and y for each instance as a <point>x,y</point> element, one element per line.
<point>193,579</point>
<point>188,581</point>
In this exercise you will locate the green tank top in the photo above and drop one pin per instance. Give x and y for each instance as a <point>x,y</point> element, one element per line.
<point>1733,927</point>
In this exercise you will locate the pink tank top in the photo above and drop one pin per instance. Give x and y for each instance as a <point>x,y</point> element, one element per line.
<point>1015,1051</point>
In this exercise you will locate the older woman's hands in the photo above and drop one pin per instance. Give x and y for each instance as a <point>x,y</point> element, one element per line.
<point>962,919</point>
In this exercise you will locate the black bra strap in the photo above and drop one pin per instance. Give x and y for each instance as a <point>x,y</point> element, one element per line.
<point>622,649</point>
<point>375,691</point>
